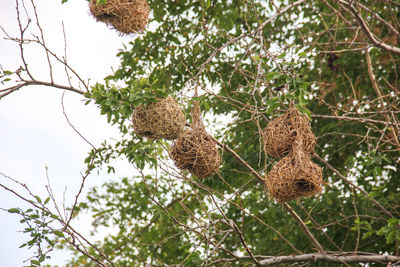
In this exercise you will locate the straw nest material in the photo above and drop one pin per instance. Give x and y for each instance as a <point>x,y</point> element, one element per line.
<point>294,176</point>
<point>196,150</point>
<point>126,16</point>
<point>281,132</point>
<point>162,119</point>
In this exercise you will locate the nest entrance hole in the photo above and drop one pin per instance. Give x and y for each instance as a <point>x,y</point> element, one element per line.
<point>305,185</point>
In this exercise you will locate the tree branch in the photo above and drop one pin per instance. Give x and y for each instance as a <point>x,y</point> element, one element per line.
<point>330,258</point>
<point>371,36</point>
<point>304,228</point>
<point>344,118</point>
<point>14,88</point>
<point>378,92</point>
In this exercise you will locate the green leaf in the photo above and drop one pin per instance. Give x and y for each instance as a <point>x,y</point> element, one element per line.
<point>383,230</point>
<point>58,233</point>
<point>392,222</point>
<point>38,199</point>
<point>13,210</point>
<point>302,54</point>
<point>390,237</point>
<point>54,216</point>
<point>35,263</point>
<point>272,75</point>
<point>42,258</point>
<point>34,216</point>
<point>47,200</point>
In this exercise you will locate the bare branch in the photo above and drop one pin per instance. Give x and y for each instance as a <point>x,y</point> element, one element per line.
<point>330,258</point>
<point>42,40</point>
<point>371,36</point>
<point>35,82</point>
<point>84,176</point>
<point>378,92</point>
<point>304,228</point>
<point>22,30</point>
<point>344,118</point>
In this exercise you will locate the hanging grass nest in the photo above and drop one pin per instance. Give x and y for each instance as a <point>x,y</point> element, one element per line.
<point>294,176</point>
<point>281,132</point>
<point>126,16</point>
<point>196,150</point>
<point>162,119</point>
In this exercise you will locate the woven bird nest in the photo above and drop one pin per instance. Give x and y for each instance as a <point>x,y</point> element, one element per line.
<point>196,150</point>
<point>126,16</point>
<point>294,176</point>
<point>162,119</point>
<point>281,132</point>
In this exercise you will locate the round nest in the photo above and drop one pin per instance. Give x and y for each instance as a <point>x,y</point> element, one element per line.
<point>281,132</point>
<point>126,16</point>
<point>293,177</point>
<point>162,119</point>
<point>196,152</point>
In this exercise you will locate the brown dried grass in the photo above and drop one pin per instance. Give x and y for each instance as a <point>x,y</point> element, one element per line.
<point>281,132</point>
<point>126,16</point>
<point>162,119</point>
<point>294,176</point>
<point>196,150</point>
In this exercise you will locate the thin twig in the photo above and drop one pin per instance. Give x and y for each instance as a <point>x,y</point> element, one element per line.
<point>367,30</point>
<point>304,228</point>
<point>353,185</point>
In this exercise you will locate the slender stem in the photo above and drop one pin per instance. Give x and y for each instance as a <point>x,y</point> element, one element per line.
<point>367,30</point>
<point>378,92</point>
<point>304,228</point>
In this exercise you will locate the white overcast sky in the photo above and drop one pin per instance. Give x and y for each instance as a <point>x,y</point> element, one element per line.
<point>33,130</point>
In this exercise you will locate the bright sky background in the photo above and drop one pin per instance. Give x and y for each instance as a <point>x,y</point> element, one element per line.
<point>33,130</point>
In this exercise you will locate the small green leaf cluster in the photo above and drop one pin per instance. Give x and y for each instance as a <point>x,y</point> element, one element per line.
<point>138,151</point>
<point>118,103</point>
<point>5,76</point>
<point>38,224</point>
<point>391,231</point>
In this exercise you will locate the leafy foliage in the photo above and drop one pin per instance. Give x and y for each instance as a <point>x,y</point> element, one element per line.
<point>250,61</point>
<point>175,219</point>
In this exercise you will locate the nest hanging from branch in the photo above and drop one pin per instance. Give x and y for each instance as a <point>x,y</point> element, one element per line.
<point>126,16</point>
<point>281,132</point>
<point>162,119</point>
<point>196,150</point>
<point>294,176</point>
